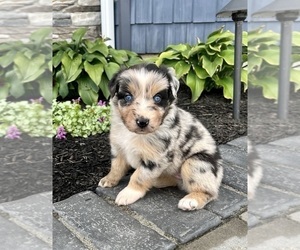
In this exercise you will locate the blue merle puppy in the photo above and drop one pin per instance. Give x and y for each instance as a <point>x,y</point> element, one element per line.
<point>165,145</point>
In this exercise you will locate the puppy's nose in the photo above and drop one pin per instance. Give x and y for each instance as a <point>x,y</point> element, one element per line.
<point>142,122</point>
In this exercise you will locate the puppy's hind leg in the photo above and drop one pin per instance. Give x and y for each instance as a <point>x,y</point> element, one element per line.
<point>119,168</point>
<point>201,179</point>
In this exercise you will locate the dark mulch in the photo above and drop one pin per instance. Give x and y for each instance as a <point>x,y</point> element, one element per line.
<point>25,167</point>
<point>79,163</point>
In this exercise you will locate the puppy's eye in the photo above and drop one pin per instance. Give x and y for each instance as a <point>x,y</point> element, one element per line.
<point>157,98</point>
<point>128,97</point>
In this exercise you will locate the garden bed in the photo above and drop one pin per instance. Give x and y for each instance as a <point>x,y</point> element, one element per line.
<point>79,163</point>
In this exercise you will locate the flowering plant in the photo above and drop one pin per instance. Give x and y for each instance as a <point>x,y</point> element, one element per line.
<point>25,117</point>
<point>70,117</point>
<point>13,133</point>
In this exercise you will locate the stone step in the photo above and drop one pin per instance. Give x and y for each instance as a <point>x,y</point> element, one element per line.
<point>100,225</point>
<point>29,220</point>
<point>234,155</point>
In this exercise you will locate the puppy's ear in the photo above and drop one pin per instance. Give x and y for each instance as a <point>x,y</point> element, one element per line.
<point>114,85</point>
<point>174,83</point>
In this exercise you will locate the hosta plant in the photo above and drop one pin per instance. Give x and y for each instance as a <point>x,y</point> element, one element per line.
<point>263,55</point>
<point>206,65</point>
<point>70,118</point>
<point>25,67</point>
<point>84,67</point>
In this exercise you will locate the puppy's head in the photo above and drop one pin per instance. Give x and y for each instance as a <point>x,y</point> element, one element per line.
<point>143,94</point>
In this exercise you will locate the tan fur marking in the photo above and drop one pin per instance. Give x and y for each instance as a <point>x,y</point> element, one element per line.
<point>200,197</point>
<point>156,87</point>
<point>165,181</point>
<point>119,168</point>
<point>138,183</point>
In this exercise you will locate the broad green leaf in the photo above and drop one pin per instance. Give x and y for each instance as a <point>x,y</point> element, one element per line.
<point>216,32</point>
<point>270,87</point>
<point>63,89</point>
<point>57,58</point>
<point>216,37</point>
<point>119,56</point>
<point>259,37</point>
<point>29,69</point>
<point>111,69</point>
<point>216,47</point>
<point>195,50</point>
<point>7,58</point>
<point>295,76</point>
<point>94,71</point>
<point>245,38</point>
<point>195,84</point>
<point>71,68</point>
<point>86,93</point>
<point>98,46</point>
<point>78,35</point>
<point>209,51</point>
<point>296,38</point>
<point>46,89</point>
<point>4,91</point>
<point>171,55</point>
<point>271,56</point>
<point>244,78</point>
<point>182,68</point>
<point>178,47</point>
<point>211,67</point>
<point>89,81</point>
<point>200,72</point>
<point>228,56</point>
<point>227,84</point>
<point>254,62</point>
<point>39,36</point>
<point>55,91</point>
<point>136,60</point>
<point>104,86</point>
<point>95,56</point>
<point>16,86</point>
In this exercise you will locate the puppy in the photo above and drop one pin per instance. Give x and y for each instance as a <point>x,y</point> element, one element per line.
<point>165,144</point>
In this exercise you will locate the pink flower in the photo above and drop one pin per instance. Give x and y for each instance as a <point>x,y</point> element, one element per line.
<point>40,100</point>
<point>61,133</point>
<point>101,103</point>
<point>13,133</point>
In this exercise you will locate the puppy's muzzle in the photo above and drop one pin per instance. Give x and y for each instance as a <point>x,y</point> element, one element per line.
<point>142,122</point>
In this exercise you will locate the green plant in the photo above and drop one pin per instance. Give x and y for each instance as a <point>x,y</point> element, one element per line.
<point>208,65</point>
<point>28,117</point>
<point>26,66</point>
<point>86,66</point>
<point>80,122</point>
<point>263,57</point>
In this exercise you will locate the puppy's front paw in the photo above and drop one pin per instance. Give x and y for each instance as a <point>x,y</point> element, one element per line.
<point>188,204</point>
<point>107,182</point>
<point>128,196</point>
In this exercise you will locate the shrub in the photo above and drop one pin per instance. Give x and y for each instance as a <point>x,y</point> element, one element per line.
<point>208,65</point>
<point>85,67</point>
<point>25,117</point>
<point>26,67</point>
<point>263,54</point>
<point>70,117</point>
